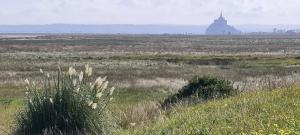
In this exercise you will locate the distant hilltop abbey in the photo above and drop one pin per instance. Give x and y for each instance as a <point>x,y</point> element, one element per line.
<point>220,27</point>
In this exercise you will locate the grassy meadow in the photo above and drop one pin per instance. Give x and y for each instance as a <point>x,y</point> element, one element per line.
<point>146,69</point>
<point>257,113</point>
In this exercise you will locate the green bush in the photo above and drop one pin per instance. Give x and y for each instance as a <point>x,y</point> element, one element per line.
<point>65,104</point>
<point>202,89</point>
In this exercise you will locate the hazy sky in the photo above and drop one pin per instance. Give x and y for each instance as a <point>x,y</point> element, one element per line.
<point>198,12</point>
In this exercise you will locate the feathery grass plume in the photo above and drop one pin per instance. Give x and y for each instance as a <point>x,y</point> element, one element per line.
<point>72,71</point>
<point>80,76</point>
<point>88,70</point>
<point>41,70</point>
<point>27,82</point>
<point>65,104</point>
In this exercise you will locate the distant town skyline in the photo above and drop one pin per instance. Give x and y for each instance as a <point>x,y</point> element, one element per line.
<point>177,12</point>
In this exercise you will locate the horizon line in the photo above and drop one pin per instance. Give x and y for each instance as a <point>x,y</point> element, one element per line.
<point>138,24</point>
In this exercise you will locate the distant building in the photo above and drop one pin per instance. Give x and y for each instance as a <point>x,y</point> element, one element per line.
<point>291,32</point>
<point>220,27</point>
<point>285,32</point>
<point>275,30</point>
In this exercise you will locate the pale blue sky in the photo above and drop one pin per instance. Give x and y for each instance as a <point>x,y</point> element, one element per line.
<point>196,12</point>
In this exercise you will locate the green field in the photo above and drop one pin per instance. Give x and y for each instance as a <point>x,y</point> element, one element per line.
<point>146,69</point>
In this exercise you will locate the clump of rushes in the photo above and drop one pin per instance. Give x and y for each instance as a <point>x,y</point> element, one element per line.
<point>65,103</point>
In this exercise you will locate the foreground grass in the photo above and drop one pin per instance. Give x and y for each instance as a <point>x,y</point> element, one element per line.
<point>11,101</point>
<point>263,112</point>
<point>8,109</point>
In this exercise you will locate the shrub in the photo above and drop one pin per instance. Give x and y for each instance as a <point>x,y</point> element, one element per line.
<point>65,104</point>
<point>201,89</point>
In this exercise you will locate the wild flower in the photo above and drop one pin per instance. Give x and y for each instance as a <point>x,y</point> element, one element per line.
<point>41,70</point>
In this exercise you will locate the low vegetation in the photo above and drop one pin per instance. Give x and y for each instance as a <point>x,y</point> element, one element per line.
<point>202,89</point>
<point>148,70</point>
<point>256,113</point>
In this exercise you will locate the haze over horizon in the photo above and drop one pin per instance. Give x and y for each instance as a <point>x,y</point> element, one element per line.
<point>174,12</point>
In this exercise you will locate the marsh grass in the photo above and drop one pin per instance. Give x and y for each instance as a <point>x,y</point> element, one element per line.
<point>65,103</point>
<point>145,68</point>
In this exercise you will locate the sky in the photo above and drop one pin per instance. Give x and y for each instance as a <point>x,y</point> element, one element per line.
<point>178,12</point>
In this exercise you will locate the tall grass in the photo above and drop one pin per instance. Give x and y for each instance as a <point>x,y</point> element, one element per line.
<point>66,103</point>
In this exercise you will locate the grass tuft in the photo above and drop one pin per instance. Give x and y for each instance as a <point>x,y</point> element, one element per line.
<point>65,103</point>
